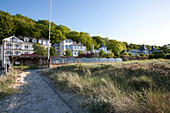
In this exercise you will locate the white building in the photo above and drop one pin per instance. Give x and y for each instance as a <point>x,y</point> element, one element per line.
<point>19,45</point>
<point>102,47</point>
<point>65,44</point>
<point>143,50</point>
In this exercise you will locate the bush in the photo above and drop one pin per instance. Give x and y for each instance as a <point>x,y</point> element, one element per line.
<point>130,54</point>
<point>157,55</point>
<point>125,53</point>
<point>142,54</point>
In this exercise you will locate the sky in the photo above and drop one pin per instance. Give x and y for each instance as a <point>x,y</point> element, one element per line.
<point>133,21</point>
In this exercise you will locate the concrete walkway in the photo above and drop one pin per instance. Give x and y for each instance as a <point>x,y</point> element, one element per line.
<point>35,97</point>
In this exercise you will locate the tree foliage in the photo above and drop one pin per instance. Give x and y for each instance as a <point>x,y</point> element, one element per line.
<point>68,53</point>
<point>24,26</point>
<point>53,52</point>
<point>40,50</point>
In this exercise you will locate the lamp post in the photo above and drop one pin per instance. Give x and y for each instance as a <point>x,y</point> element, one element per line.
<point>49,35</point>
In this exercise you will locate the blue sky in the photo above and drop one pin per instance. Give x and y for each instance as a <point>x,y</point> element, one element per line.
<point>133,21</point>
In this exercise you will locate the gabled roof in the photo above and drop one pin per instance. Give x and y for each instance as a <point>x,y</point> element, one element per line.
<point>143,47</point>
<point>102,45</point>
<point>153,48</point>
<point>12,37</point>
<point>22,37</point>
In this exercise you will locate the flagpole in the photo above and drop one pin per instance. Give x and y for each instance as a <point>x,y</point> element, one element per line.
<point>49,35</point>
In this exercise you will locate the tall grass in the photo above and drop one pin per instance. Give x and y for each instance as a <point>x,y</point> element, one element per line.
<point>120,87</point>
<point>5,82</point>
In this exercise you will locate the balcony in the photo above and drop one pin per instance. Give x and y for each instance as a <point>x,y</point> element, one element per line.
<point>8,55</point>
<point>9,48</point>
<point>13,41</point>
<point>12,48</point>
<point>17,48</point>
<point>28,49</point>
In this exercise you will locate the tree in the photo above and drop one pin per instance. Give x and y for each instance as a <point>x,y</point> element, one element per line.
<point>80,52</point>
<point>109,55</point>
<point>68,53</point>
<point>98,41</point>
<point>40,50</point>
<point>116,47</point>
<point>53,51</point>
<point>101,53</point>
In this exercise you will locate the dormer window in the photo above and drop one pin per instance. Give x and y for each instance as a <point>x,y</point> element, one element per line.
<point>42,41</point>
<point>26,39</point>
<point>34,40</point>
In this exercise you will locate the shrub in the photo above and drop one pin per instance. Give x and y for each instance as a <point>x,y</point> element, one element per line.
<point>142,54</point>
<point>125,53</point>
<point>156,55</point>
<point>130,54</point>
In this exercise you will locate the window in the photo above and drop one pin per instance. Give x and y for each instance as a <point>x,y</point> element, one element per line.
<point>75,53</point>
<point>69,46</point>
<point>16,53</point>
<point>26,53</point>
<point>8,53</point>
<point>34,40</point>
<point>26,47</point>
<point>66,46</point>
<point>46,42</point>
<point>9,46</point>
<point>26,39</point>
<point>42,41</point>
<point>69,41</point>
<point>66,41</point>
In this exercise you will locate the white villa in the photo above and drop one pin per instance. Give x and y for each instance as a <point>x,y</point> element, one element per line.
<point>18,45</point>
<point>143,50</point>
<point>102,47</point>
<point>65,44</point>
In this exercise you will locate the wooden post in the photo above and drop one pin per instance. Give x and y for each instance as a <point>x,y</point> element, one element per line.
<point>89,60</point>
<point>78,60</point>
<point>65,59</point>
<point>5,68</point>
<point>115,59</point>
<point>99,59</point>
<point>107,60</point>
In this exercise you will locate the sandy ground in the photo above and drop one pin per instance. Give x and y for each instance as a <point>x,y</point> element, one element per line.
<point>35,96</point>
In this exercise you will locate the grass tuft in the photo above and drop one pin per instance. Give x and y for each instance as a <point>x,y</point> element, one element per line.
<point>137,86</point>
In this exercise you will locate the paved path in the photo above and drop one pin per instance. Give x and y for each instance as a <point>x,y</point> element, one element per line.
<point>35,97</point>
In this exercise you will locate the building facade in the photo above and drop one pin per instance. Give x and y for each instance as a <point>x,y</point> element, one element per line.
<point>143,50</point>
<point>15,46</point>
<point>101,47</point>
<point>74,47</point>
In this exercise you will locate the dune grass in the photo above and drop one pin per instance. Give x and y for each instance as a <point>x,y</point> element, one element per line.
<point>6,81</point>
<point>137,86</point>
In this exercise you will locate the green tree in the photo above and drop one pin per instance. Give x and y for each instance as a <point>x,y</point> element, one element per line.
<point>40,50</point>
<point>53,51</point>
<point>80,52</point>
<point>101,53</point>
<point>98,41</point>
<point>116,47</point>
<point>109,55</point>
<point>68,53</point>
